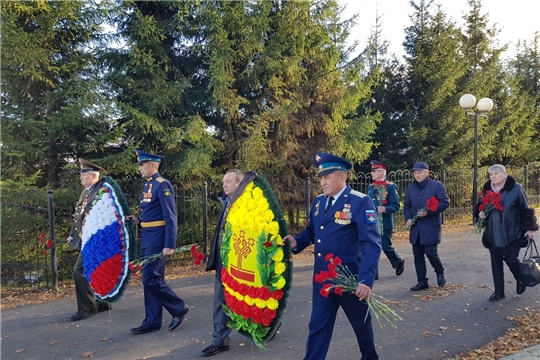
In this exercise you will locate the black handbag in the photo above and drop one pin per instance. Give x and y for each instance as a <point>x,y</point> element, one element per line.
<point>530,266</point>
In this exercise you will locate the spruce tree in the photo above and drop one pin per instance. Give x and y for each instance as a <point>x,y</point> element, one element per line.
<point>54,108</point>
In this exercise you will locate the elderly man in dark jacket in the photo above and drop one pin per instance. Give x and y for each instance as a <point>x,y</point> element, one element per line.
<point>505,227</point>
<point>220,336</point>
<point>425,225</point>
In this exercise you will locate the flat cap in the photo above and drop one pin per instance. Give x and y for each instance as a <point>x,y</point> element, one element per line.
<point>420,166</point>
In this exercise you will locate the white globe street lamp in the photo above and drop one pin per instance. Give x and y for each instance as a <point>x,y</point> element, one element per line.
<point>483,105</point>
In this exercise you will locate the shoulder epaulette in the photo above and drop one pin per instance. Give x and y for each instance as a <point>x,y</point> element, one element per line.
<point>390,183</point>
<point>320,195</point>
<point>160,179</point>
<point>357,193</point>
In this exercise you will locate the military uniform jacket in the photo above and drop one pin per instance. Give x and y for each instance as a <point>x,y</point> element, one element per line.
<point>349,231</point>
<point>157,205</point>
<point>81,210</point>
<point>416,198</point>
<point>391,196</point>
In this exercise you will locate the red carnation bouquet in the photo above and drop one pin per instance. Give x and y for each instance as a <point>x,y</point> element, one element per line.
<point>137,265</point>
<point>341,280</point>
<point>431,204</point>
<point>491,200</point>
<point>380,186</point>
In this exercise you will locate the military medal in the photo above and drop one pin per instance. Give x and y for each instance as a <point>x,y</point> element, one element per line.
<point>147,197</point>
<point>343,217</point>
<point>317,205</point>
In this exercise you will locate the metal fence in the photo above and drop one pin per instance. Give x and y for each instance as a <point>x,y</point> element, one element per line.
<point>28,221</point>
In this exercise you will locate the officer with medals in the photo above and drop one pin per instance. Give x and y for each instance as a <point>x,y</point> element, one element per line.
<point>386,198</point>
<point>342,222</point>
<point>87,305</point>
<point>159,226</point>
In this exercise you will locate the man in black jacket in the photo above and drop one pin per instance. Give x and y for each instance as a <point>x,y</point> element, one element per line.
<point>86,302</point>
<point>425,225</point>
<point>220,336</point>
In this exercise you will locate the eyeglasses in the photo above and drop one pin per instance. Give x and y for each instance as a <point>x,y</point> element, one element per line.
<point>373,170</point>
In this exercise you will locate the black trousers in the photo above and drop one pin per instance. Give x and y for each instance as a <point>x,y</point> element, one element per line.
<point>388,249</point>
<point>419,251</point>
<point>85,296</point>
<point>511,260</point>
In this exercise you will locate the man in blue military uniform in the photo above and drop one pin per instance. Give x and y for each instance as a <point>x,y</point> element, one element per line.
<point>159,225</point>
<point>342,222</point>
<point>386,198</point>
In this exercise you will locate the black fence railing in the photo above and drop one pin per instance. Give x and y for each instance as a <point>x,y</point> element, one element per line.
<point>26,226</point>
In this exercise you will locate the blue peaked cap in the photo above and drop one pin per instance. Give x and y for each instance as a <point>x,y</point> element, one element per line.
<point>143,157</point>
<point>328,163</point>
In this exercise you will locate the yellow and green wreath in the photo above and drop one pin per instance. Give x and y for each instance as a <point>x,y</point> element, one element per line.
<point>257,267</point>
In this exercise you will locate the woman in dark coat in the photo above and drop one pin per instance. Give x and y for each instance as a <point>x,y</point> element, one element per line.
<point>506,228</point>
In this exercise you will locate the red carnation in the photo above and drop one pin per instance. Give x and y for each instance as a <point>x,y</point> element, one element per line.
<point>431,204</point>
<point>325,290</point>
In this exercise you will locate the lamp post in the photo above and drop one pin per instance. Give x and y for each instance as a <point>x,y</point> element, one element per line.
<point>467,102</point>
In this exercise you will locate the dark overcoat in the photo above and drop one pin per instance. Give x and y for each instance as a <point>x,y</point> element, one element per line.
<point>507,227</point>
<point>426,230</point>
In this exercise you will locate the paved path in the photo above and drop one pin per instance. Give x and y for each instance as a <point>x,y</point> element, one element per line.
<point>438,324</point>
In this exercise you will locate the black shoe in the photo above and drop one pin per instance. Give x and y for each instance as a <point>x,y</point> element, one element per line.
<point>103,306</point>
<point>441,280</point>
<point>420,286</point>
<point>520,288</point>
<point>496,296</point>
<point>83,315</point>
<point>214,349</point>
<point>142,330</point>
<point>175,322</point>
<point>400,267</point>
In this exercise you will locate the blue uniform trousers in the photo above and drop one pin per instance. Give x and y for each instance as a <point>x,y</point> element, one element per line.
<point>323,317</point>
<point>157,294</point>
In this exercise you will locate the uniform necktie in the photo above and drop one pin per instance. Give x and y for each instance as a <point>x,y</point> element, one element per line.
<point>329,204</point>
